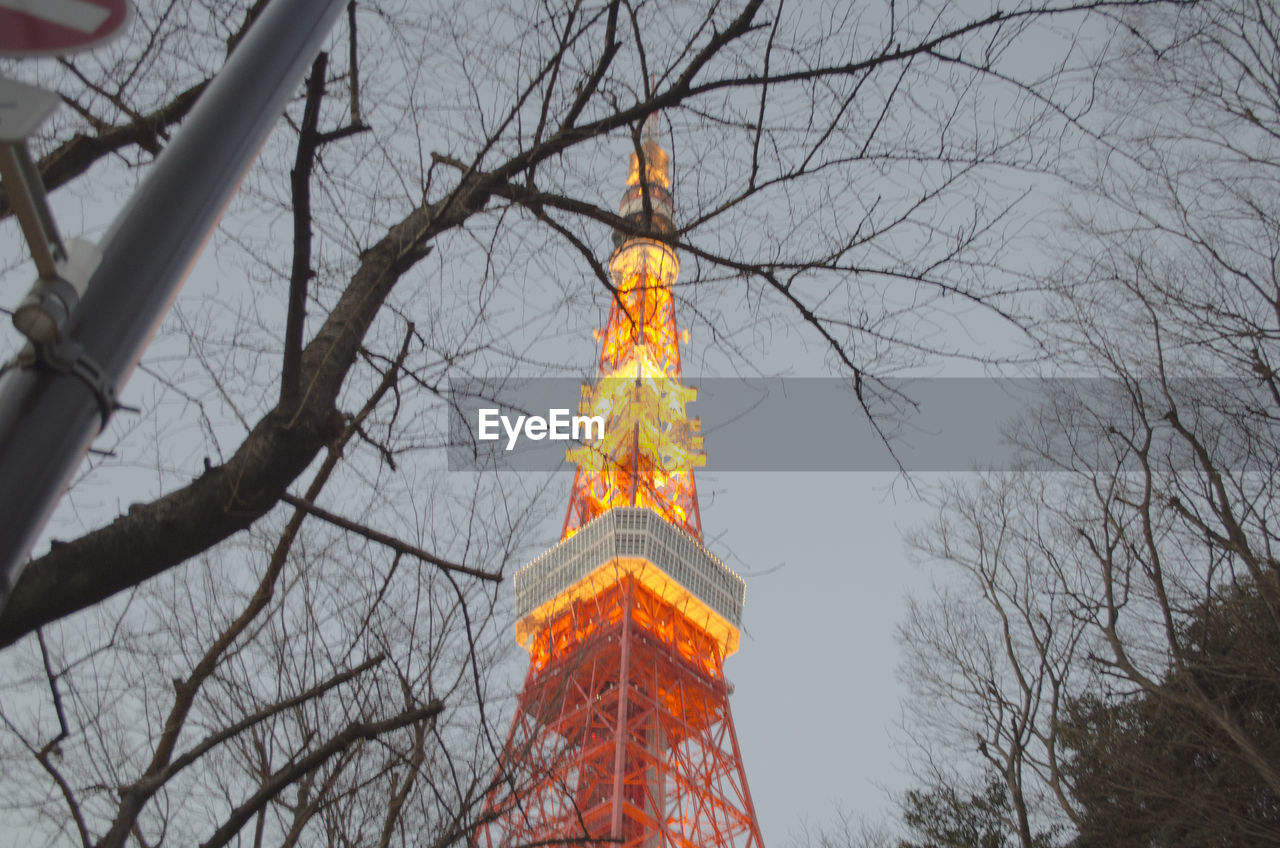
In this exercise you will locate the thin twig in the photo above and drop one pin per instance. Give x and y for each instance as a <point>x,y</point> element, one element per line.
<point>382,538</point>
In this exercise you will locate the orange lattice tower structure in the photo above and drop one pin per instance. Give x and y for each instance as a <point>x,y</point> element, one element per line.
<point>622,733</point>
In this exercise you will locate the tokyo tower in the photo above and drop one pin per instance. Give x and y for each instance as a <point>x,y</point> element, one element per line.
<point>622,732</point>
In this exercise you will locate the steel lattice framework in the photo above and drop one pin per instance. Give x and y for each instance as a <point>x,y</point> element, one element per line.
<point>622,732</point>
<point>651,445</point>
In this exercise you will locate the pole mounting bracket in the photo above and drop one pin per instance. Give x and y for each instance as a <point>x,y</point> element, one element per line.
<point>67,356</point>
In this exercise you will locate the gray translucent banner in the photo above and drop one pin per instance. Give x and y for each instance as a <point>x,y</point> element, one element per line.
<point>944,424</point>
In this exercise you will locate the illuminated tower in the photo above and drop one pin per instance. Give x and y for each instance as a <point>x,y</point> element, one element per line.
<point>622,732</point>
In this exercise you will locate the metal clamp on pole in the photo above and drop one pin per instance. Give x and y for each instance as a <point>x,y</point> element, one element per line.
<point>42,317</point>
<point>47,422</point>
<point>43,313</point>
<point>64,269</point>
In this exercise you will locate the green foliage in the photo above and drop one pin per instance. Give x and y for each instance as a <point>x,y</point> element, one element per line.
<point>1156,770</point>
<point>942,817</point>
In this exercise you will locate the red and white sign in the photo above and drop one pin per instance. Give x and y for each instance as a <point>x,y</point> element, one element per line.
<point>55,27</point>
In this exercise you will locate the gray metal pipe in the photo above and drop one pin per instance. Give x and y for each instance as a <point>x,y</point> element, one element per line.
<point>49,419</point>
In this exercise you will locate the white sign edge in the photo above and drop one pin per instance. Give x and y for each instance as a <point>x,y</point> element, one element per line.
<point>33,106</point>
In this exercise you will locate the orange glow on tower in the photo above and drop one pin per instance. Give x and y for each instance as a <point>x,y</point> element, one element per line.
<point>622,732</point>
<point>651,445</point>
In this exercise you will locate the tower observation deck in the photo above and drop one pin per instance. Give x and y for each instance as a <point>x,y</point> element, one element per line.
<point>622,733</point>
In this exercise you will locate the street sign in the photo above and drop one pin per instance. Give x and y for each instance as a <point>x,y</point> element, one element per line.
<point>23,108</point>
<point>55,27</point>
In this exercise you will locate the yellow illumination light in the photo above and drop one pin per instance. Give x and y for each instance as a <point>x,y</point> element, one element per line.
<point>657,166</point>
<point>652,578</point>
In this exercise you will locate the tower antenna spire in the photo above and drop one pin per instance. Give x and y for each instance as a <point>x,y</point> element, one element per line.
<point>651,445</point>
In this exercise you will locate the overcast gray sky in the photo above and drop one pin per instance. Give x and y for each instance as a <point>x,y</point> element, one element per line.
<point>816,693</point>
<point>816,696</point>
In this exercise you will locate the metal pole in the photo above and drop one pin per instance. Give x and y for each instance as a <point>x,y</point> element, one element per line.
<point>27,199</point>
<point>48,419</point>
